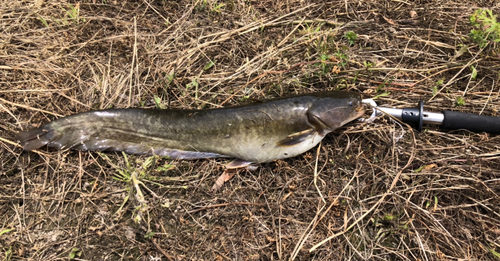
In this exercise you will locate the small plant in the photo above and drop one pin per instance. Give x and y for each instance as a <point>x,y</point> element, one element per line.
<point>74,13</point>
<point>351,37</point>
<point>389,217</point>
<point>5,231</point>
<point>487,27</point>
<point>217,8</point>
<point>496,254</point>
<point>44,22</point>
<point>381,87</point>
<point>324,63</point>
<point>342,57</point>
<point>459,101</point>
<point>135,175</point>
<point>209,65</point>
<point>214,7</point>
<point>149,235</point>
<point>473,73</point>
<point>200,7</point>
<point>310,29</point>
<point>8,254</point>
<point>75,253</point>
<point>170,78</point>
<point>167,81</point>
<point>194,83</point>
<point>158,102</point>
<point>435,88</point>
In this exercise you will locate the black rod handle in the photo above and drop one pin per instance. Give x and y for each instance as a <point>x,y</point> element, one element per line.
<point>477,123</point>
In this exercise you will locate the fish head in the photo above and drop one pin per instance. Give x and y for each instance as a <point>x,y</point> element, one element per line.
<point>334,109</point>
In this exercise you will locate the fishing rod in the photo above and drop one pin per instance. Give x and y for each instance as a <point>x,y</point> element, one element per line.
<point>451,120</point>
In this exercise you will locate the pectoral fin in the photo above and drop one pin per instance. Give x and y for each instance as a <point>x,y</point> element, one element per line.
<point>296,138</point>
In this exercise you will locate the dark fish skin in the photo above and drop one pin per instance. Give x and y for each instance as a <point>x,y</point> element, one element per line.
<point>255,133</point>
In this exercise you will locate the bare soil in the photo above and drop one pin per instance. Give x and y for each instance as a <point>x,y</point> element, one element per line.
<point>371,191</point>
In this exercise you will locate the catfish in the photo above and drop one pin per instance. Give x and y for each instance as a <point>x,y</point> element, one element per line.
<point>251,134</point>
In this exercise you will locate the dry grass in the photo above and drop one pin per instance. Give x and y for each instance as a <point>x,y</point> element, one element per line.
<point>361,191</point>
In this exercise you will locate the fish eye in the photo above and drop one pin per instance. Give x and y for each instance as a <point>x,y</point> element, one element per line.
<point>351,103</point>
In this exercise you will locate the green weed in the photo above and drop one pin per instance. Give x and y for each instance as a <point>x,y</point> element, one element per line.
<point>149,235</point>
<point>7,230</point>
<point>310,29</point>
<point>496,254</point>
<point>201,7</point>
<point>381,87</point>
<point>217,8</point>
<point>342,57</point>
<point>75,252</point>
<point>473,73</point>
<point>459,101</point>
<point>7,255</point>
<point>44,22</point>
<point>351,37</point>
<point>167,81</point>
<point>214,7</point>
<point>389,217</point>
<point>209,65</point>
<point>194,83</point>
<point>135,177</point>
<point>381,95</point>
<point>324,63</point>
<point>487,27</point>
<point>435,87</point>
<point>158,103</point>
<point>74,14</point>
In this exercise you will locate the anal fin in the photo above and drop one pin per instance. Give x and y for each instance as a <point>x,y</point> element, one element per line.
<point>238,163</point>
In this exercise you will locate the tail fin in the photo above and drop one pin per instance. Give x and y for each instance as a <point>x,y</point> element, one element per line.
<point>95,130</point>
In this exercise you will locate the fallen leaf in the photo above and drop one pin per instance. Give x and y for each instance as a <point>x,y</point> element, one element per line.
<point>224,177</point>
<point>333,59</point>
<point>430,166</point>
<point>390,21</point>
<point>335,69</point>
<point>425,167</point>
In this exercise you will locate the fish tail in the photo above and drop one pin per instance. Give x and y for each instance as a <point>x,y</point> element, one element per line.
<point>96,130</point>
<point>59,134</point>
<point>133,131</point>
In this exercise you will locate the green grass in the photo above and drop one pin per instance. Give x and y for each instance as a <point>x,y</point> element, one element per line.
<point>74,14</point>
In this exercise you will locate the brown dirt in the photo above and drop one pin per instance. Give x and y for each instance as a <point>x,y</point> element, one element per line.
<point>366,197</point>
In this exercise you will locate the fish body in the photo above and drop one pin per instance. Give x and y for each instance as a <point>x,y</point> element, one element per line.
<point>255,133</point>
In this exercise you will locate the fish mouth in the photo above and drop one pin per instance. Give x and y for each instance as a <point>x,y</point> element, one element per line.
<point>359,111</point>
